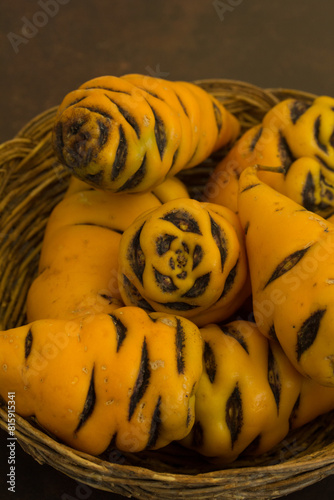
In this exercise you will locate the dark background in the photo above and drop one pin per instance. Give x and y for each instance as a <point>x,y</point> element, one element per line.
<point>286,43</point>
<point>45,52</point>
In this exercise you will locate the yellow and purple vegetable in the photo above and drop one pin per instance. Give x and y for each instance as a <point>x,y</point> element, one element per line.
<point>127,134</point>
<point>78,265</point>
<point>290,252</point>
<point>185,257</point>
<point>295,135</point>
<point>249,396</point>
<point>126,379</point>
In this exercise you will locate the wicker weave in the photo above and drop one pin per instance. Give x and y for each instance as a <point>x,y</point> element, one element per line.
<point>31,184</point>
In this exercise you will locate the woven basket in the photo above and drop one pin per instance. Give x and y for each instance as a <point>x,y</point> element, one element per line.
<point>31,184</point>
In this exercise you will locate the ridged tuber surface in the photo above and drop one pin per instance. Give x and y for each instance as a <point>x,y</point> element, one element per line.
<point>126,134</point>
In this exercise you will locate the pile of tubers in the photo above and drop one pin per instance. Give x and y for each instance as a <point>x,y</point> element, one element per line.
<point>158,318</point>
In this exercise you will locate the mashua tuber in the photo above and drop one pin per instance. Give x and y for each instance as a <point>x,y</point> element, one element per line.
<point>249,396</point>
<point>78,266</point>
<point>126,134</point>
<point>185,257</point>
<point>290,253</point>
<point>127,379</point>
<point>299,137</point>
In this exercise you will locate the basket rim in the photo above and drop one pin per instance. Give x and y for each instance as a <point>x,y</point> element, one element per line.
<point>97,463</point>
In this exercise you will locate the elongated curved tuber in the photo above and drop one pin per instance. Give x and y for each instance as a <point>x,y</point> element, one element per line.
<point>127,134</point>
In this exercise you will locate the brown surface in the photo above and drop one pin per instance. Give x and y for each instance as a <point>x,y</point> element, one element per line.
<point>270,44</point>
<point>288,44</point>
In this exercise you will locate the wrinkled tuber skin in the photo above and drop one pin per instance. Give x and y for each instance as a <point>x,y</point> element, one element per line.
<point>249,395</point>
<point>70,375</point>
<point>295,135</point>
<point>78,264</point>
<point>127,134</point>
<point>185,257</point>
<point>290,252</point>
